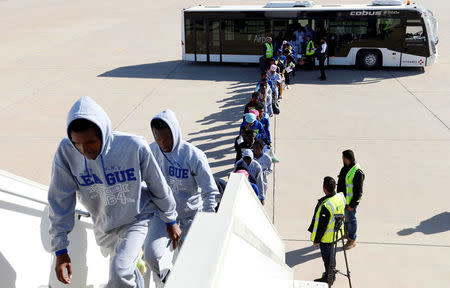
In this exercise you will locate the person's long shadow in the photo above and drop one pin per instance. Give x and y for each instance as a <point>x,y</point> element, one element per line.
<point>353,76</point>
<point>304,255</point>
<point>436,224</point>
<point>220,140</point>
<point>181,70</point>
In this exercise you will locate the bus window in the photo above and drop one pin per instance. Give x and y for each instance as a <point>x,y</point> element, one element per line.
<point>189,36</point>
<point>386,27</point>
<point>214,37</point>
<point>414,34</point>
<point>244,37</point>
<point>415,41</point>
<point>279,31</point>
<point>200,30</point>
<point>228,30</point>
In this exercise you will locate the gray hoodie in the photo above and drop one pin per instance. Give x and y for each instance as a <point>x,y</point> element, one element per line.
<point>255,171</point>
<point>186,169</point>
<point>111,186</point>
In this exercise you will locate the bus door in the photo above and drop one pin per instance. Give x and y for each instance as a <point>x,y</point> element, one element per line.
<point>213,41</point>
<point>415,46</point>
<point>200,40</point>
<point>320,29</point>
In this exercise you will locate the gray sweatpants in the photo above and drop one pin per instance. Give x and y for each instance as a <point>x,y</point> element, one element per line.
<point>124,246</point>
<point>157,240</point>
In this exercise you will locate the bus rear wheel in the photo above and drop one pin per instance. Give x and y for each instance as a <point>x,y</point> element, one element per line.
<point>369,59</point>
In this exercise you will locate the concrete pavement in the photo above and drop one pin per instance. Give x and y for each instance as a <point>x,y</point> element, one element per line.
<point>127,57</point>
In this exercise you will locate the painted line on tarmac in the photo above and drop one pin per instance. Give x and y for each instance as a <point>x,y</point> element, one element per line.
<point>274,169</point>
<point>418,100</point>
<point>381,243</point>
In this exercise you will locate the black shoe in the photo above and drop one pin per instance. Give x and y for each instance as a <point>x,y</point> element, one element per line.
<point>323,280</point>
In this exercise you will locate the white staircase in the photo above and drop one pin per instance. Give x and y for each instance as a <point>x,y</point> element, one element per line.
<point>236,247</point>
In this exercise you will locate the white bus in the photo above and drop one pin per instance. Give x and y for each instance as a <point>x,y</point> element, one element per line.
<point>384,33</point>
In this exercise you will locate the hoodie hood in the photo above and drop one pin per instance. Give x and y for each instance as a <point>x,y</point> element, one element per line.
<point>169,117</point>
<point>87,108</point>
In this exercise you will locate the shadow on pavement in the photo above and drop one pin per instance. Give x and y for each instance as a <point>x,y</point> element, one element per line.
<point>349,76</point>
<point>304,255</point>
<point>182,70</point>
<point>436,224</point>
<point>216,140</point>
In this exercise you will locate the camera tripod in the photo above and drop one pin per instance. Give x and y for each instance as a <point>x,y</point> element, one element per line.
<point>339,219</point>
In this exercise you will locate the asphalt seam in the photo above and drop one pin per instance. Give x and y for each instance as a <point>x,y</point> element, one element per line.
<point>382,243</point>
<point>418,100</point>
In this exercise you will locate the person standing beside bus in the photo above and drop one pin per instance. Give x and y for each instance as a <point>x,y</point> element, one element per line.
<point>322,55</point>
<point>310,50</point>
<point>268,52</point>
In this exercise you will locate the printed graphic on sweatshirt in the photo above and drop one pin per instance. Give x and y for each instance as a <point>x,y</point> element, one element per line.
<point>113,189</point>
<point>176,176</point>
<point>111,195</point>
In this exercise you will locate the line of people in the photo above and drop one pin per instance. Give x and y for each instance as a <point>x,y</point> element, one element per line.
<point>254,151</point>
<point>300,50</point>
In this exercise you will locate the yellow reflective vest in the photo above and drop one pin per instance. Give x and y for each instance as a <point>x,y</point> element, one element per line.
<point>335,205</point>
<point>269,50</point>
<point>310,49</point>
<point>349,182</point>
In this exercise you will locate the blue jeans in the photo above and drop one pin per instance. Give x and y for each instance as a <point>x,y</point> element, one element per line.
<point>326,249</point>
<point>350,223</point>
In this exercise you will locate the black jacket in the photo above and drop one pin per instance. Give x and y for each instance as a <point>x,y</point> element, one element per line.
<point>358,182</point>
<point>324,218</point>
<point>239,147</point>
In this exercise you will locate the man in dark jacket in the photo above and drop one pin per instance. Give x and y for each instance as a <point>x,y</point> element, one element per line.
<point>351,180</point>
<point>322,225</point>
<point>244,141</point>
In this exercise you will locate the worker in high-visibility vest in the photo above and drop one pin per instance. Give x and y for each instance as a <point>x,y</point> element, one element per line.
<point>322,224</point>
<point>309,52</point>
<point>268,48</point>
<point>350,182</point>
<point>267,54</point>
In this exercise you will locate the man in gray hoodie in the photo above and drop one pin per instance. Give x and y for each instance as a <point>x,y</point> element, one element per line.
<point>188,173</point>
<point>104,170</point>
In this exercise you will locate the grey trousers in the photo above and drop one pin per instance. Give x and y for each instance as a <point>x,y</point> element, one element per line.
<point>124,246</point>
<point>157,240</point>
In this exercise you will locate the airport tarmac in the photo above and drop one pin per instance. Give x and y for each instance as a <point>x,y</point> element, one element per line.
<point>128,58</point>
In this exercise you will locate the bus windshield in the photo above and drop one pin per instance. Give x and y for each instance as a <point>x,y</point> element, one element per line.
<point>433,26</point>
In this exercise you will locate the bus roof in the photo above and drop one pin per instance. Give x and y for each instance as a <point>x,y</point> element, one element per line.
<point>314,7</point>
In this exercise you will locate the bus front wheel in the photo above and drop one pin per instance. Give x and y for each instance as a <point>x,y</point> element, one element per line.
<point>369,59</point>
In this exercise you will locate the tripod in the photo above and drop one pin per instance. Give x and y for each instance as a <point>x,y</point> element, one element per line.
<point>339,219</point>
